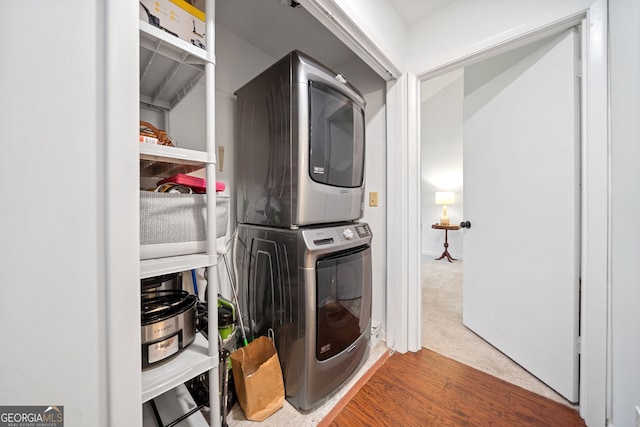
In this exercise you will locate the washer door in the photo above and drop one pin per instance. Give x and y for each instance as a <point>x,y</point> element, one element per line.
<point>343,297</point>
<point>265,292</point>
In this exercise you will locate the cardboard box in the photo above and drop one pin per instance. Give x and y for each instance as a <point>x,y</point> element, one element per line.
<point>176,17</point>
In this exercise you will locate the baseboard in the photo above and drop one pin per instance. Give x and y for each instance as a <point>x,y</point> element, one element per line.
<point>428,255</point>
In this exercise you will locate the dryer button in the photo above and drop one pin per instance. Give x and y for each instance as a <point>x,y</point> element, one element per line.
<point>347,233</point>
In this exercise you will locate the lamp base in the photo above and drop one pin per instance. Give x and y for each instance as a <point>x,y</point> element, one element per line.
<point>444,220</point>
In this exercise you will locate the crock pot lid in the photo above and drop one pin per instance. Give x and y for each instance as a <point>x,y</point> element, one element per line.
<point>157,280</point>
<point>156,306</point>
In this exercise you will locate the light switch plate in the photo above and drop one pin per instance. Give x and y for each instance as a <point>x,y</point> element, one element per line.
<point>373,198</point>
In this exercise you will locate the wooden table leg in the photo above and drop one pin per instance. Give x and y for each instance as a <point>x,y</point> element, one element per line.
<point>446,253</point>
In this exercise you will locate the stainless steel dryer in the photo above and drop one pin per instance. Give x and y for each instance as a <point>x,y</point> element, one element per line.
<point>300,146</point>
<point>312,287</point>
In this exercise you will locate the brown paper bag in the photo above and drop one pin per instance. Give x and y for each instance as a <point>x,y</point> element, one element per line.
<point>258,379</point>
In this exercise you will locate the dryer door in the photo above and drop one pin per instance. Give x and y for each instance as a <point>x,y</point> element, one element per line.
<point>336,137</point>
<point>343,298</point>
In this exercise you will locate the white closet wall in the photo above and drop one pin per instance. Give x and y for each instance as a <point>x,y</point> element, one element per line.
<point>54,245</point>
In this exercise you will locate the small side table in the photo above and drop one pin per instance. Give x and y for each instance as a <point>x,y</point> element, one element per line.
<point>446,229</point>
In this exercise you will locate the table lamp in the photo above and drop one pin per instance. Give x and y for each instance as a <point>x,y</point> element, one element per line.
<point>445,198</point>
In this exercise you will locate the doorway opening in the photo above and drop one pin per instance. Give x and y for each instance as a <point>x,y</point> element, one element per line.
<point>443,118</point>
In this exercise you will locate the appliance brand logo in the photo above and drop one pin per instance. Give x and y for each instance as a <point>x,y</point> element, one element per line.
<point>163,329</point>
<point>32,416</point>
<point>318,170</point>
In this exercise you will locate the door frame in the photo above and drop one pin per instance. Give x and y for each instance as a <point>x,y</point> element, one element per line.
<point>595,204</point>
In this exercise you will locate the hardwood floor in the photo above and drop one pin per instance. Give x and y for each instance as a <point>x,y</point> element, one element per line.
<point>428,389</point>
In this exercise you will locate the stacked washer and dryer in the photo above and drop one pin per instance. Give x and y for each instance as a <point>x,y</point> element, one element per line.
<point>303,257</point>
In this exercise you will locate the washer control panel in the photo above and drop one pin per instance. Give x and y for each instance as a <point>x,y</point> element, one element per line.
<point>363,230</point>
<point>337,235</point>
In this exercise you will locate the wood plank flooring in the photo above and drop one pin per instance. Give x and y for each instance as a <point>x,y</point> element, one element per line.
<point>428,389</point>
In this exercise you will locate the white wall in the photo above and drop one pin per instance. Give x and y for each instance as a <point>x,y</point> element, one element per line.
<point>237,62</point>
<point>468,26</point>
<point>374,91</point>
<point>52,301</point>
<point>441,138</point>
<point>382,25</point>
<point>625,199</point>
<point>186,119</point>
<point>441,158</point>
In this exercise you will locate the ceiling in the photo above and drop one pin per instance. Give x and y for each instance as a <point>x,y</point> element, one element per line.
<point>412,11</point>
<point>277,29</point>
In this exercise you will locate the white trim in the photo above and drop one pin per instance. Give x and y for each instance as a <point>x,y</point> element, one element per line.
<point>397,226</point>
<point>403,209</point>
<point>512,43</point>
<point>210,170</point>
<point>595,221</point>
<point>412,215</point>
<point>117,129</point>
<point>340,24</point>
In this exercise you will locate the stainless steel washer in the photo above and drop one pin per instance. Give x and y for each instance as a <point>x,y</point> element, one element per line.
<point>312,287</point>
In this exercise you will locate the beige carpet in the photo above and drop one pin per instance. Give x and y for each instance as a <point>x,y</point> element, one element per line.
<point>443,331</point>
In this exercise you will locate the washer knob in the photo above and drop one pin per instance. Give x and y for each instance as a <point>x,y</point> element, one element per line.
<point>347,233</point>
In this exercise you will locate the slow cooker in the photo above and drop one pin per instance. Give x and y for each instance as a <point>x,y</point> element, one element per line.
<point>168,324</point>
<point>172,281</point>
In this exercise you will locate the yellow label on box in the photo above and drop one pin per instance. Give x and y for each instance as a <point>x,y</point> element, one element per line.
<point>177,17</point>
<point>189,8</point>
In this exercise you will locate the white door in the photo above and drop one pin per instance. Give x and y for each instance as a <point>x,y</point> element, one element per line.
<point>521,196</point>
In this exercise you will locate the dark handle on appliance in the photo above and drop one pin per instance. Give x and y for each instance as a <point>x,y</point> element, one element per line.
<point>465,224</point>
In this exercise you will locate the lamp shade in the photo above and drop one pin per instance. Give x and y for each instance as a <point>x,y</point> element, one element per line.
<point>445,197</point>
